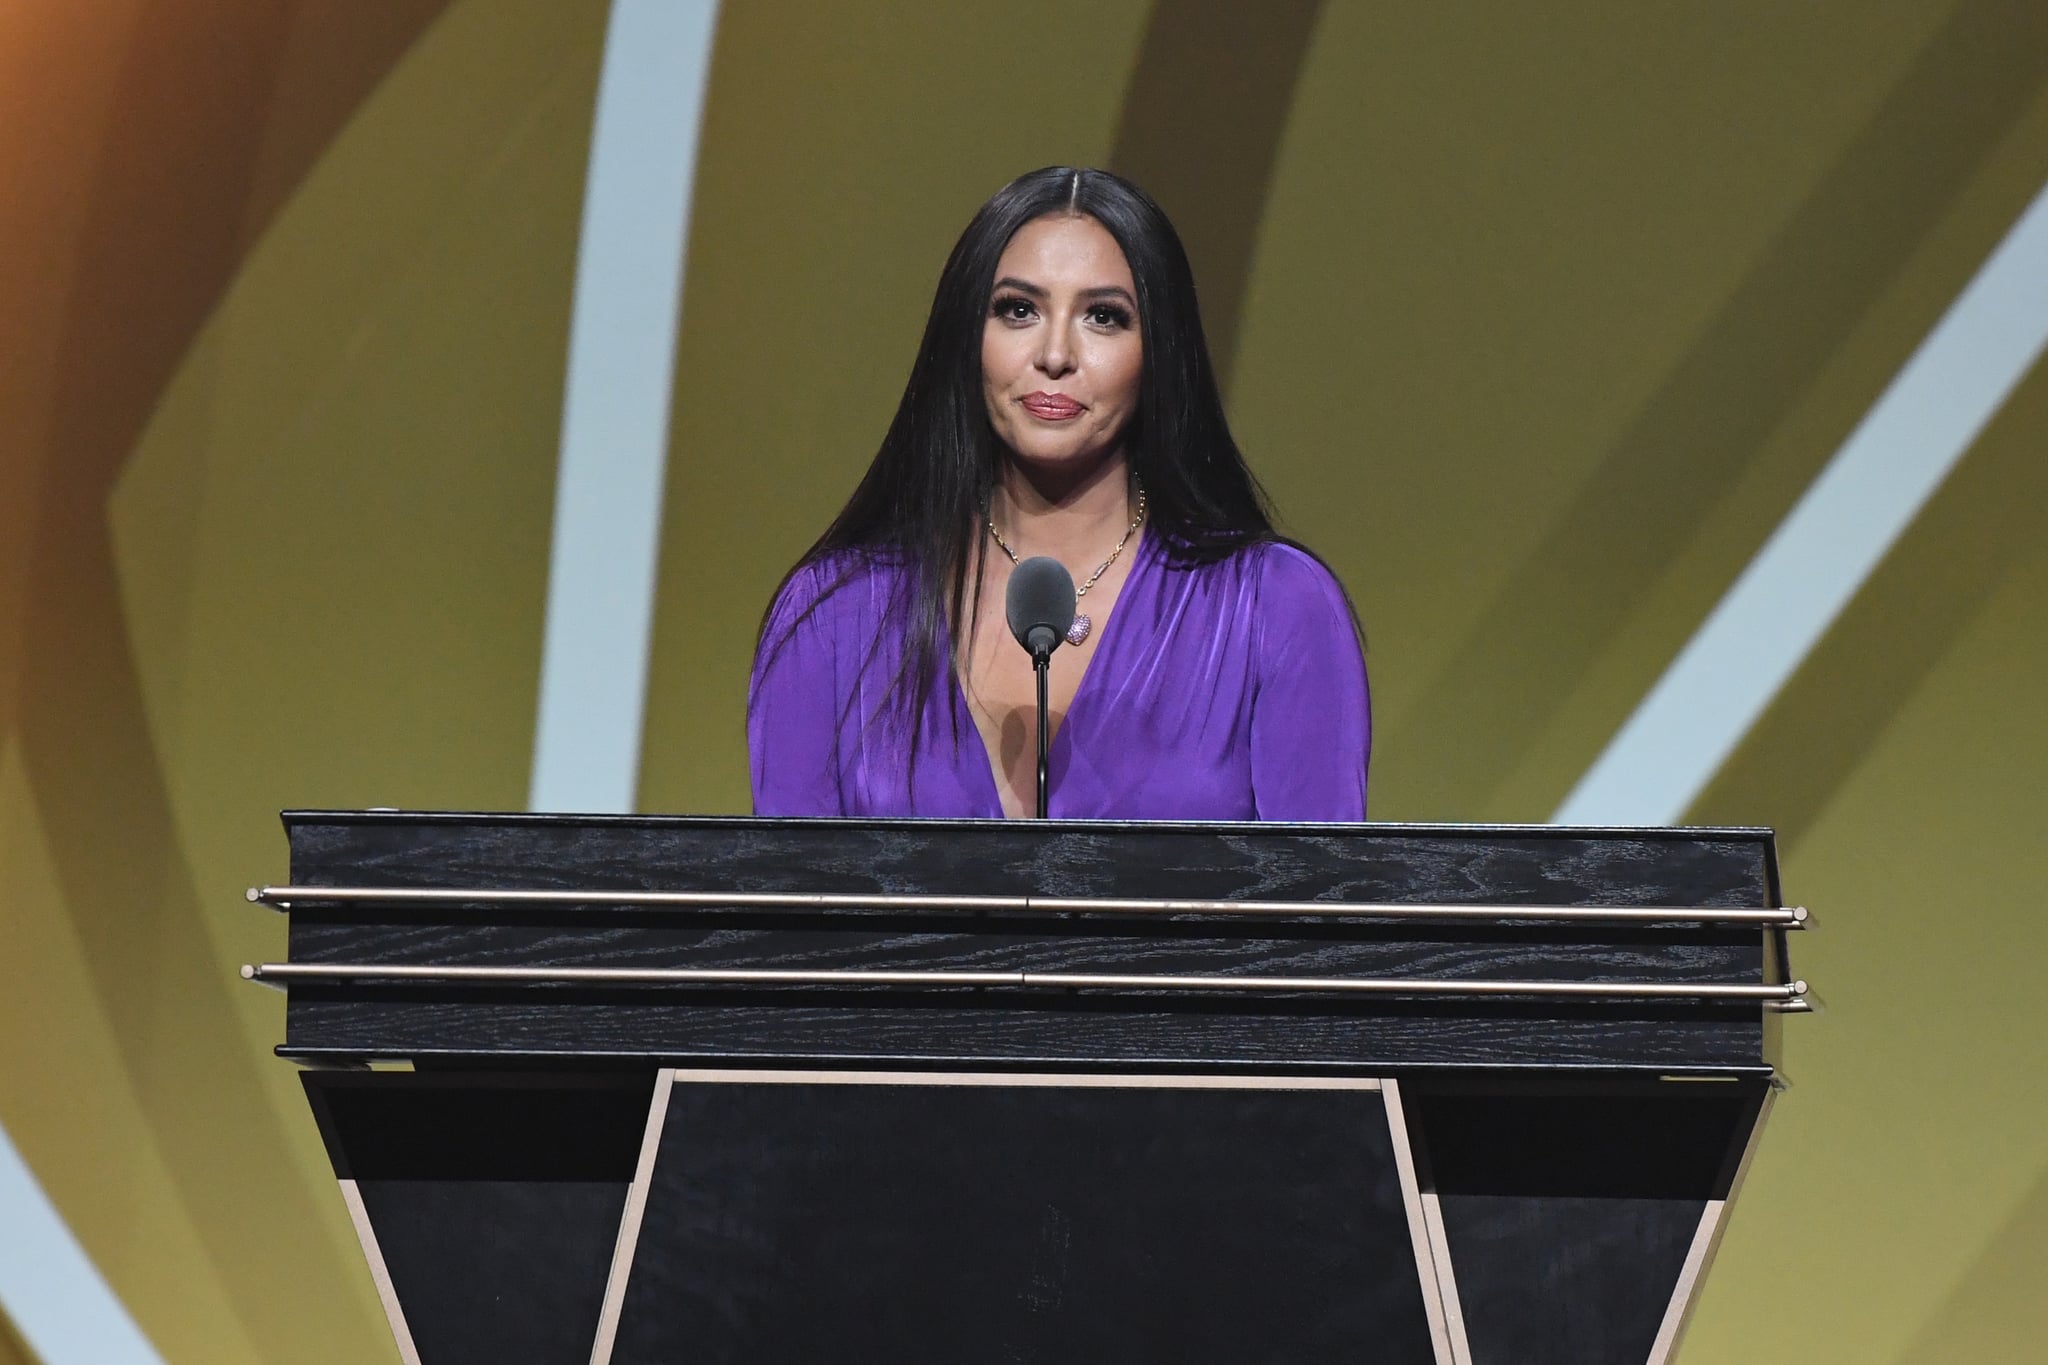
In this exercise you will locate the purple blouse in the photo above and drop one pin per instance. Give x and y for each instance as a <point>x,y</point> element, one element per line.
<point>1232,691</point>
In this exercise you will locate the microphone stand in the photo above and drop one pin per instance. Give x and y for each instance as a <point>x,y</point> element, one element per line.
<point>1041,664</point>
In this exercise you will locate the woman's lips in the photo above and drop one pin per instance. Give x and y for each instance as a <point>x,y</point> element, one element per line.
<point>1052,407</point>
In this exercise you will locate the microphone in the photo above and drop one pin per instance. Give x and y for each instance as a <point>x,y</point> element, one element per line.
<point>1041,606</point>
<point>1040,602</point>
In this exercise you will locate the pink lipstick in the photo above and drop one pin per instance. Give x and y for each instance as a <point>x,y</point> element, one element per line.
<point>1052,407</point>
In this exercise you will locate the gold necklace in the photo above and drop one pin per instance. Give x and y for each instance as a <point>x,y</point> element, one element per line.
<point>1078,632</point>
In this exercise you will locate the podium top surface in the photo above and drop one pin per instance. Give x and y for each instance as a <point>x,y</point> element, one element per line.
<point>394,815</point>
<point>1478,864</point>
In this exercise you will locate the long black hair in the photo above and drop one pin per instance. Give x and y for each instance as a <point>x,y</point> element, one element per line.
<point>923,499</point>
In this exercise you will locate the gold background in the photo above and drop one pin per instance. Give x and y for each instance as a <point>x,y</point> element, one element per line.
<point>1537,320</point>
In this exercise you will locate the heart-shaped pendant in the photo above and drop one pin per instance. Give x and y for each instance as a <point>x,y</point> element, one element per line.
<point>1078,632</point>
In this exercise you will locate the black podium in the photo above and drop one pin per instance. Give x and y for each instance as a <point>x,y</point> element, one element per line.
<point>662,1089</point>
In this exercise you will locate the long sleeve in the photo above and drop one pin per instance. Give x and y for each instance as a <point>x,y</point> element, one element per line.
<point>793,706</point>
<point>1311,723</point>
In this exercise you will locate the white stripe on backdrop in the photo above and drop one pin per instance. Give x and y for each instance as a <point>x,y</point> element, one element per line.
<point>55,1296</point>
<point>615,409</point>
<point>1756,637</point>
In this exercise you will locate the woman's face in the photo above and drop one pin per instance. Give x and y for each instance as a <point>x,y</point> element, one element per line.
<point>1060,354</point>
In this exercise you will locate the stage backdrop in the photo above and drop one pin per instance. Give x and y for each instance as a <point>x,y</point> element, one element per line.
<point>1538,322</point>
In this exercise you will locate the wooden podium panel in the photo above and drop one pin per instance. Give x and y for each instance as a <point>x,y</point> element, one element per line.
<point>470,936</point>
<point>488,1206</point>
<point>807,1218</point>
<point>1576,1216</point>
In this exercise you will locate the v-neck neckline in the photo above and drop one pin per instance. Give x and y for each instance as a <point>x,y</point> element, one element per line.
<point>1112,633</point>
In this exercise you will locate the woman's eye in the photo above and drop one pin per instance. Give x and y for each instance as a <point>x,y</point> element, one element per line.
<point>1013,309</point>
<point>1108,315</point>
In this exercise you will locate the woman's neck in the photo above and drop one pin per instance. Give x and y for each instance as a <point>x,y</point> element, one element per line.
<point>1071,518</point>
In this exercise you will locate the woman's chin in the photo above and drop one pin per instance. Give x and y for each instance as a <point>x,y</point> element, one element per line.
<point>1067,458</point>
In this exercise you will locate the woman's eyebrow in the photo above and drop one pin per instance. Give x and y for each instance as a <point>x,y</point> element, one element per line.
<point>1100,291</point>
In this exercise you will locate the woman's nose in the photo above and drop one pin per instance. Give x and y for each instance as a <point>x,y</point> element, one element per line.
<point>1055,351</point>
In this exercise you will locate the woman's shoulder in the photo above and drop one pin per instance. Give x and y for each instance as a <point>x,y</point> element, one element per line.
<point>847,578</point>
<point>1296,593</point>
<point>1286,564</point>
<point>1279,568</point>
<point>838,588</point>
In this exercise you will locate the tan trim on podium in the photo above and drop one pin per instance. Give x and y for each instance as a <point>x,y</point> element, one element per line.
<point>1706,1240</point>
<point>629,1221</point>
<point>1439,1249</point>
<point>1432,1260</point>
<point>1062,1079</point>
<point>1446,1278</point>
<point>387,1293</point>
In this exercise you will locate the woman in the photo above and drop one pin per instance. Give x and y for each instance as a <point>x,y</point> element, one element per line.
<point>1062,403</point>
